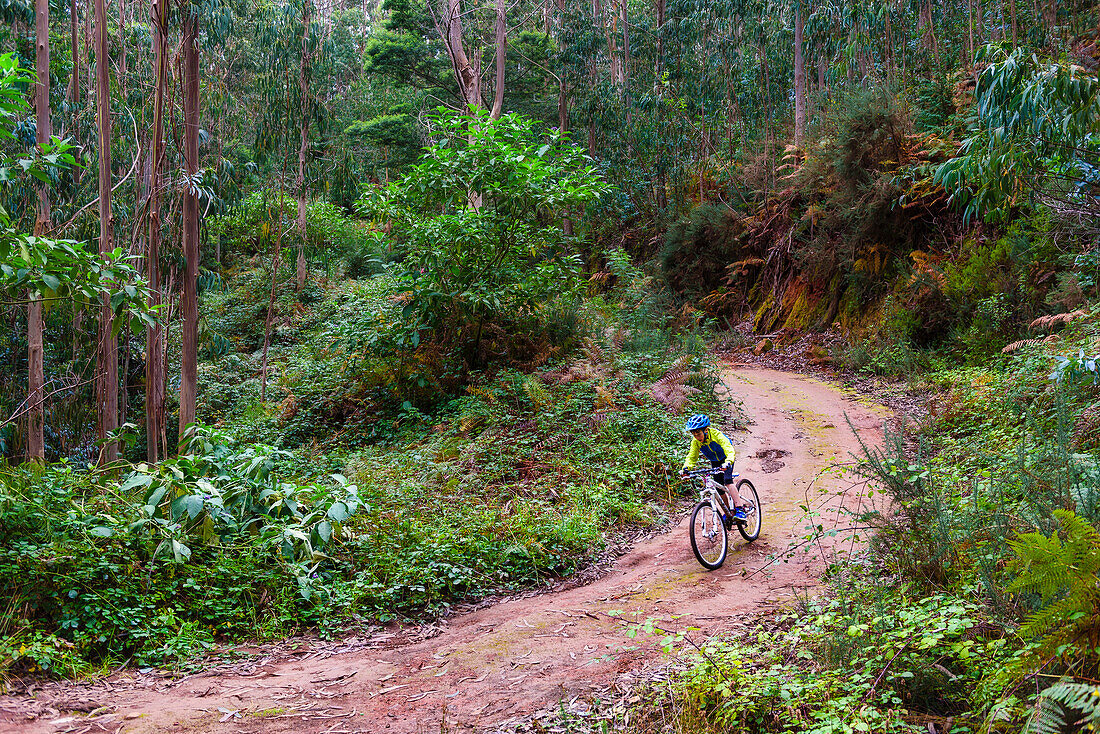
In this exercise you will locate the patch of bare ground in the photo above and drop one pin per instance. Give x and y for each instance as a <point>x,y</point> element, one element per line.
<point>508,665</point>
<point>815,353</point>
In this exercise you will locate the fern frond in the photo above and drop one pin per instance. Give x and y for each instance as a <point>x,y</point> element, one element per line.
<point>536,393</point>
<point>1043,323</point>
<point>1065,705</point>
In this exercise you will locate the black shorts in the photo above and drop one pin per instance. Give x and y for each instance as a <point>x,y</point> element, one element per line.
<point>723,476</point>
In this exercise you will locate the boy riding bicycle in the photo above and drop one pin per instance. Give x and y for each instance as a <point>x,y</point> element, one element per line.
<point>717,448</point>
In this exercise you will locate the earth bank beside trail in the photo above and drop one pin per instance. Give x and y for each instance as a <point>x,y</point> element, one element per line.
<point>496,666</point>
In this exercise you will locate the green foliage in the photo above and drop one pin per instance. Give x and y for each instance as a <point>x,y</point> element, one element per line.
<point>1066,705</point>
<point>1076,369</point>
<point>1063,570</point>
<point>479,221</point>
<point>870,658</point>
<point>394,139</point>
<point>698,250</point>
<point>1032,134</point>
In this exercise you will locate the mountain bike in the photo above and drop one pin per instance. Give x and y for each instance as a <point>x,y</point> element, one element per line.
<point>710,519</point>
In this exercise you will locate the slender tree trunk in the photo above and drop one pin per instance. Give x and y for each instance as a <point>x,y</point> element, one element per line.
<point>660,183</point>
<point>107,354</point>
<point>970,31</point>
<point>467,76</point>
<point>612,46</point>
<point>799,77</point>
<point>154,335</point>
<point>36,441</point>
<point>189,307</point>
<point>502,48</point>
<point>74,83</point>
<point>122,68</point>
<point>1012,13</point>
<point>90,82</point>
<point>626,59</point>
<point>304,73</point>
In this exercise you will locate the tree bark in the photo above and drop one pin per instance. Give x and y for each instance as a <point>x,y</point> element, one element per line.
<point>1012,12</point>
<point>36,441</point>
<point>502,47</point>
<point>799,77</point>
<point>189,308</point>
<point>154,335</point>
<point>626,58</point>
<point>304,73</point>
<point>468,77</point>
<point>74,83</point>
<point>107,353</point>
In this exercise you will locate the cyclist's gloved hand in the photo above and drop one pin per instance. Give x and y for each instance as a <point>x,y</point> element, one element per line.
<point>727,465</point>
<point>683,472</point>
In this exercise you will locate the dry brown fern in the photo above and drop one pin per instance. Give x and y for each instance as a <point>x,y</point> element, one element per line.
<point>671,390</point>
<point>288,409</point>
<point>1018,345</point>
<point>1046,323</point>
<point>604,397</point>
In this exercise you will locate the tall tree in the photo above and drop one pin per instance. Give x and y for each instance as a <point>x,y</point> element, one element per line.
<point>468,77</point>
<point>155,424</point>
<point>36,443</point>
<point>799,76</point>
<point>305,72</point>
<point>502,47</point>
<point>189,306</point>
<point>107,352</point>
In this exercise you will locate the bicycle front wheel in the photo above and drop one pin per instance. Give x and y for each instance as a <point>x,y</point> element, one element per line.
<point>750,526</point>
<point>708,536</point>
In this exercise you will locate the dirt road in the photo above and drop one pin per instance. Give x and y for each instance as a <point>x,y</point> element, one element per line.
<point>521,656</point>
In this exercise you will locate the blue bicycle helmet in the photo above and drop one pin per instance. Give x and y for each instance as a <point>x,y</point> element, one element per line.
<point>697,422</point>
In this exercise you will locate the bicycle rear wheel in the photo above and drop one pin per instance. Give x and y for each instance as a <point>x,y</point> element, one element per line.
<point>750,526</point>
<point>708,536</point>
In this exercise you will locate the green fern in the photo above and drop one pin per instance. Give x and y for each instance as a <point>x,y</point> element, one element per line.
<point>1063,570</point>
<point>1065,706</point>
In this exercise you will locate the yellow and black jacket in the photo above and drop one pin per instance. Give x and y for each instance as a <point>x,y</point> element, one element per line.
<point>715,446</point>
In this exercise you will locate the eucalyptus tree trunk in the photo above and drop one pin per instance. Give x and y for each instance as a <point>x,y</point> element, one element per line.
<point>626,59</point>
<point>1012,13</point>
<point>304,74</point>
<point>154,335</point>
<point>107,353</point>
<point>660,181</point>
<point>597,17</point>
<point>612,46</point>
<point>36,442</point>
<point>189,307</point>
<point>74,83</point>
<point>799,77</point>
<point>467,76</point>
<point>502,47</point>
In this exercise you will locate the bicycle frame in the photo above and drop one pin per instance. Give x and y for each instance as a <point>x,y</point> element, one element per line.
<point>710,489</point>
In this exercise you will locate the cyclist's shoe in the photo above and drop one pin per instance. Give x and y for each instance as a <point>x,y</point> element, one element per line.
<point>727,520</point>
<point>739,514</point>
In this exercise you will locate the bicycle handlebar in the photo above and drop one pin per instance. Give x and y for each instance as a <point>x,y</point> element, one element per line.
<point>701,472</point>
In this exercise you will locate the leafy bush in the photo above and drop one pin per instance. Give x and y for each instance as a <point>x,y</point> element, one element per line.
<point>479,221</point>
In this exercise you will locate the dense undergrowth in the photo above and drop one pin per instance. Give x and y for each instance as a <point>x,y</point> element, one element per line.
<point>365,486</point>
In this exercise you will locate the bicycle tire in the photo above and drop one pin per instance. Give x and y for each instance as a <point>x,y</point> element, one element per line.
<point>750,527</point>
<point>709,551</point>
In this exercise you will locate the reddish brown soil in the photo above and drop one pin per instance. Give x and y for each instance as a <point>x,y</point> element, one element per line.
<point>523,655</point>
